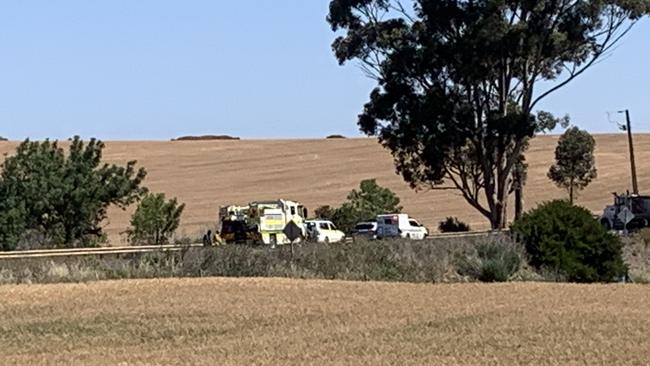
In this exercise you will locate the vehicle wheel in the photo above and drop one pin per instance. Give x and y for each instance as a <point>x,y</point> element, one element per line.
<point>327,240</point>
<point>408,236</point>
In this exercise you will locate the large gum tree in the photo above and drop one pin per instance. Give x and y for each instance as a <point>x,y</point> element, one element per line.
<point>458,82</point>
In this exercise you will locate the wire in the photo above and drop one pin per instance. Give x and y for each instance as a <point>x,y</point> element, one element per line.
<point>621,126</point>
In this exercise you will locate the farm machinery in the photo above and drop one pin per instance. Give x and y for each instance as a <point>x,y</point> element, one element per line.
<point>629,212</point>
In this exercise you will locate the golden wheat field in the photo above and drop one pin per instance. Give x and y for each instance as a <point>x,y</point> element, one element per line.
<point>294,322</point>
<point>208,174</point>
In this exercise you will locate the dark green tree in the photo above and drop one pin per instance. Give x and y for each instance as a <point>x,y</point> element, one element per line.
<point>324,212</point>
<point>458,81</point>
<point>62,197</point>
<point>575,165</point>
<point>155,220</point>
<point>365,204</point>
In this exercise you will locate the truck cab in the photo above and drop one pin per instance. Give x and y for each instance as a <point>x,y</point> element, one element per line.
<point>638,205</point>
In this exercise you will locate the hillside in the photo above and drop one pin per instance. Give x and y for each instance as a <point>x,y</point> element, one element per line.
<point>208,174</point>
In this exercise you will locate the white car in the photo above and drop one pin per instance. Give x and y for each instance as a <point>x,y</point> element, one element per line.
<point>400,225</point>
<point>323,231</point>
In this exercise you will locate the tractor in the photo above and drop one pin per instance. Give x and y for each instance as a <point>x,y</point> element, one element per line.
<point>635,209</point>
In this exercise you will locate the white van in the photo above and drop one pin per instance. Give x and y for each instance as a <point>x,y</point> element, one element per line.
<point>400,225</point>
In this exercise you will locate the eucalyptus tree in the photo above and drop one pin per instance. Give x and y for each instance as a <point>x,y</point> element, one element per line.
<point>459,82</point>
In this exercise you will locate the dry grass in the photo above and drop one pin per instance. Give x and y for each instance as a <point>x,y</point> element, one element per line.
<point>207,174</point>
<point>289,322</point>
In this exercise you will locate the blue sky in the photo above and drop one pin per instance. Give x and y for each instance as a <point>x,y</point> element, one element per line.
<point>157,69</point>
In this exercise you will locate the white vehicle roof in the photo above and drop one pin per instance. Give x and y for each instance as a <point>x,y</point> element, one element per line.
<point>318,221</point>
<point>392,215</point>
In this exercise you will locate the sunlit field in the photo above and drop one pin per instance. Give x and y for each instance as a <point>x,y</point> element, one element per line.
<point>294,322</point>
<point>208,174</point>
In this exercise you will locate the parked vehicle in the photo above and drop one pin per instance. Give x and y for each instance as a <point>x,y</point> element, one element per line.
<point>233,221</point>
<point>400,225</point>
<point>365,230</point>
<point>638,206</point>
<point>268,219</point>
<point>261,222</point>
<point>323,231</point>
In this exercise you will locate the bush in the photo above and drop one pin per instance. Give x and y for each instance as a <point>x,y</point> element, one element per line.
<point>335,137</point>
<point>155,220</point>
<point>453,225</point>
<point>386,260</point>
<point>324,212</point>
<point>493,260</point>
<point>567,240</point>
<point>363,205</point>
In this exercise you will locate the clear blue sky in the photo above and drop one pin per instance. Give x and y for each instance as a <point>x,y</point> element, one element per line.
<point>156,69</point>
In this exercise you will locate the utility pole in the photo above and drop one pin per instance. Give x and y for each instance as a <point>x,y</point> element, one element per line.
<point>635,184</point>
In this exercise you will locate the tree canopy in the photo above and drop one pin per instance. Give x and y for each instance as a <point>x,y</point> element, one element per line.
<point>575,165</point>
<point>62,198</point>
<point>362,205</point>
<point>155,220</point>
<point>458,81</point>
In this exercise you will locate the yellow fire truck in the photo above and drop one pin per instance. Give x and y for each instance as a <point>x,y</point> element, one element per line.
<point>261,222</point>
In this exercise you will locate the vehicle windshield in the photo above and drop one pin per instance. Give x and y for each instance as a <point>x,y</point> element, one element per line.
<point>361,227</point>
<point>641,205</point>
<point>414,223</point>
<point>228,227</point>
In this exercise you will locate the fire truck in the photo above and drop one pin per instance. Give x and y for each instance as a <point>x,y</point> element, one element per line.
<point>260,222</point>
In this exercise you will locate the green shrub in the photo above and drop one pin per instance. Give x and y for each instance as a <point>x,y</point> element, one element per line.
<point>565,239</point>
<point>453,225</point>
<point>386,260</point>
<point>362,205</point>
<point>494,259</point>
<point>155,220</point>
<point>324,212</point>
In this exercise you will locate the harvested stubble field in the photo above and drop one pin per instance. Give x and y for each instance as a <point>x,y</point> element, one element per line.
<point>293,322</point>
<point>208,174</point>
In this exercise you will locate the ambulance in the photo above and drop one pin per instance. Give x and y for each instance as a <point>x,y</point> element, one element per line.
<point>400,225</point>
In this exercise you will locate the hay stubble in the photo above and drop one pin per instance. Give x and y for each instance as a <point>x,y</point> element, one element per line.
<point>207,174</point>
<point>282,322</point>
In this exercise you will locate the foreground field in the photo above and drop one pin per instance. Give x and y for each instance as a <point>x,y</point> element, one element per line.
<point>288,322</point>
<point>208,174</point>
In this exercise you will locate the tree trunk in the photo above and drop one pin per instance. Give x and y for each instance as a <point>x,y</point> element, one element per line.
<point>519,201</point>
